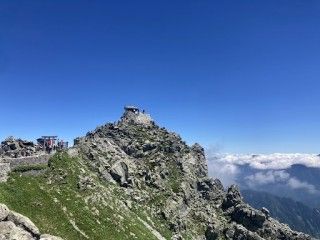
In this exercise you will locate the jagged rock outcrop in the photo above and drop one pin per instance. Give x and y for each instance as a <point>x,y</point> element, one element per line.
<point>14,226</point>
<point>14,148</point>
<point>157,169</point>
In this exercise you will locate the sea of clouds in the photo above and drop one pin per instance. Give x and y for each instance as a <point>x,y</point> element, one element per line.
<point>263,169</point>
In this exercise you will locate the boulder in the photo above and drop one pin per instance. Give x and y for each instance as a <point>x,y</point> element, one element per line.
<point>24,223</point>
<point>4,212</point>
<point>14,226</point>
<point>9,231</point>
<point>232,198</point>
<point>266,212</point>
<point>237,231</point>
<point>15,148</point>
<point>120,173</point>
<point>249,217</point>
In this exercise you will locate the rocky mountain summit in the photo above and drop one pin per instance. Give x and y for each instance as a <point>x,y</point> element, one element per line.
<point>158,170</point>
<point>131,180</point>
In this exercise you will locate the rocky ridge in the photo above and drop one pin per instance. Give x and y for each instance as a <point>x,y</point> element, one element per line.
<point>158,170</point>
<point>131,180</point>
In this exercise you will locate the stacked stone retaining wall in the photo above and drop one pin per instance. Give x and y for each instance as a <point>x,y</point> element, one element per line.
<point>9,164</point>
<point>23,161</point>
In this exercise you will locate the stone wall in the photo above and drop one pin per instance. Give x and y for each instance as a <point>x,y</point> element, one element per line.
<point>138,118</point>
<point>9,164</point>
<point>4,170</point>
<point>22,161</point>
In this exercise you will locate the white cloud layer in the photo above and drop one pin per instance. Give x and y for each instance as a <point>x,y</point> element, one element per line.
<point>276,177</point>
<point>270,161</point>
<point>297,184</point>
<point>224,171</point>
<point>271,176</point>
<point>269,168</point>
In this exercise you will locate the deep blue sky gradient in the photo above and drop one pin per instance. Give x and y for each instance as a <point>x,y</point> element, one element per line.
<point>239,75</point>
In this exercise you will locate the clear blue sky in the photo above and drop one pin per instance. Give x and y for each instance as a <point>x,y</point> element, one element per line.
<point>241,75</point>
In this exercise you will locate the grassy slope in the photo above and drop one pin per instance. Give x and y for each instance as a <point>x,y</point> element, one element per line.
<point>53,201</point>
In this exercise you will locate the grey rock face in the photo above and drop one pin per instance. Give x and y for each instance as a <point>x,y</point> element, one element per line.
<point>266,212</point>
<point>120,173</point>
<point>4,212</point>
<point>233,197</point>
<point>250,218</point>
<point>15,148</point>
<point>23,222</point>
<point>137,118</point>
<point>162,172</point>
<point>237,231</point>
<point>8,230</point>
<point>14,226</point>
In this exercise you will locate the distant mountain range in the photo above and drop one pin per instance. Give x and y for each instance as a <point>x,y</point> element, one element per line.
<point>290,184</point>
<point>298,182</point>
<point>296,214</point>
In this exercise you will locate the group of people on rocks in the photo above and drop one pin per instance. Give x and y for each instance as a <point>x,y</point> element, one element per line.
<point>50,145</point>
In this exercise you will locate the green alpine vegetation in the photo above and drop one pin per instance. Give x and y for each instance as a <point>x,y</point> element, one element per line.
<point>57,205</point>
